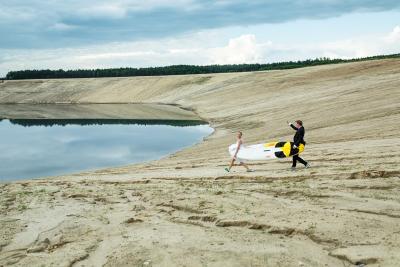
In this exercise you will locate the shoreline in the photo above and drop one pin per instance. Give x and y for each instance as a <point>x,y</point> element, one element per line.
<point>185,210</point>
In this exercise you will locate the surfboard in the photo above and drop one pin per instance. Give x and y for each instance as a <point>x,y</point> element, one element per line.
<point>266,151</point>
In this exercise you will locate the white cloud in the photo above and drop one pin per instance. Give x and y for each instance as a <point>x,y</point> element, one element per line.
<point>113,11</point>
<point>394,36</point>
<point>62,27</point>
<point>120,9</point>
<point>363,46</point>
<point>15,15</point>
<point>345,49</point>
<point>153,4</point>
<point>243,49</point>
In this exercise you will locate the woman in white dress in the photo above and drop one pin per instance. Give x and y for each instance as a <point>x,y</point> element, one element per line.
<point>239,144</point>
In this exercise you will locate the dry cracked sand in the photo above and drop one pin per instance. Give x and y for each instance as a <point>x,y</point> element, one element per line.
<point>184,210</point>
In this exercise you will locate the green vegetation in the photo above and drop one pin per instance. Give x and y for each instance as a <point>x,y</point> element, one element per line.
<point>179,69</point>
<point>22,207</point>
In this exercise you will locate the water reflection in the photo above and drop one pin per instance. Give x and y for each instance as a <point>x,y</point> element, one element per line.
<point>82,122</point>
<point>37,148</point>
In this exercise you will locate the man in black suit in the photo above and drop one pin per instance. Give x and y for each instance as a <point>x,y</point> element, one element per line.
<point>297,140</point>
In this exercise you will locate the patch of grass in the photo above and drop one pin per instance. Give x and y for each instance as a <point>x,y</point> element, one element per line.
<point>201,80</point>
<point>23,193</point>
<point>247,210</point>
<point>221,208</point>
<point>22,207</point>
<point>202,203</point>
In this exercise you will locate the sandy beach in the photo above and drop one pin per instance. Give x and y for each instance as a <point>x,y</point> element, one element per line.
<point>185,210</point>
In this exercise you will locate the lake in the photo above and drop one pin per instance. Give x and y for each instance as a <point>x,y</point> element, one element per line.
<point>37,148</point>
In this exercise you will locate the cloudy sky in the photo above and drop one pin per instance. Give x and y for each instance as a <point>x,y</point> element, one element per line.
<point>72,34</point>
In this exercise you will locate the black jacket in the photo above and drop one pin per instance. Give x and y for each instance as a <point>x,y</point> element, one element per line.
<point>299,136</point>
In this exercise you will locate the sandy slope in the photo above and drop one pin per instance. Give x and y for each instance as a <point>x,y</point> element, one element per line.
<point>95,111</point>
<point>185,211</point>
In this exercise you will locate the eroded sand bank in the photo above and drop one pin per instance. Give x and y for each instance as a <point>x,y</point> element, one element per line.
<point>185,210</point>
<point>95,111</point>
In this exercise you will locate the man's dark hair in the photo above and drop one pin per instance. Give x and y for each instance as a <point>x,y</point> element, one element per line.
<point>299,122</point>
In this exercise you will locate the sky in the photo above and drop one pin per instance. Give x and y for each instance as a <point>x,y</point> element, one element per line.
<point>72,34</point>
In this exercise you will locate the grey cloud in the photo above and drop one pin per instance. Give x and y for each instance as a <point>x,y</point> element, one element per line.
<point>75,23</point>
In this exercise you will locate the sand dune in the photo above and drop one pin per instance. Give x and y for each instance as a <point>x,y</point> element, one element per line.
<point>184,210</point>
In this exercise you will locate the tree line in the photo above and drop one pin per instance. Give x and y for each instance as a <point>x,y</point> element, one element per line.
<point>179,69</point>
<point>86,122</point>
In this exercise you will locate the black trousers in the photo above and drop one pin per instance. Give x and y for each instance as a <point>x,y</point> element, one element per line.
<point>297,158</point>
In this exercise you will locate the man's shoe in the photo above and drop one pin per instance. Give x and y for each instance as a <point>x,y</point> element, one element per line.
<point>226,169</point>
<point>249,170</point>
<point>293,169</point>
<point>308,165</point>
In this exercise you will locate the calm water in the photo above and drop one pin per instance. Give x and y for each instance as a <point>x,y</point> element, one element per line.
<point>37,148</point>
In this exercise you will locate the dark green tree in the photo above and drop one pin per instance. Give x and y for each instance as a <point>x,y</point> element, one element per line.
<point>179,69</point>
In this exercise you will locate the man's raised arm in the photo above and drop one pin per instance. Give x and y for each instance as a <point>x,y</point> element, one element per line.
<point>291,125</point>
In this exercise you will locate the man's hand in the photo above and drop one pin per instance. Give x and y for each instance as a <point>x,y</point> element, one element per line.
<point>294,146</point>
<point>288,122</point>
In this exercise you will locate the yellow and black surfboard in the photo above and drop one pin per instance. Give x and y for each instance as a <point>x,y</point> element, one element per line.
<point>287,149</point>
<point>266,151</point>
